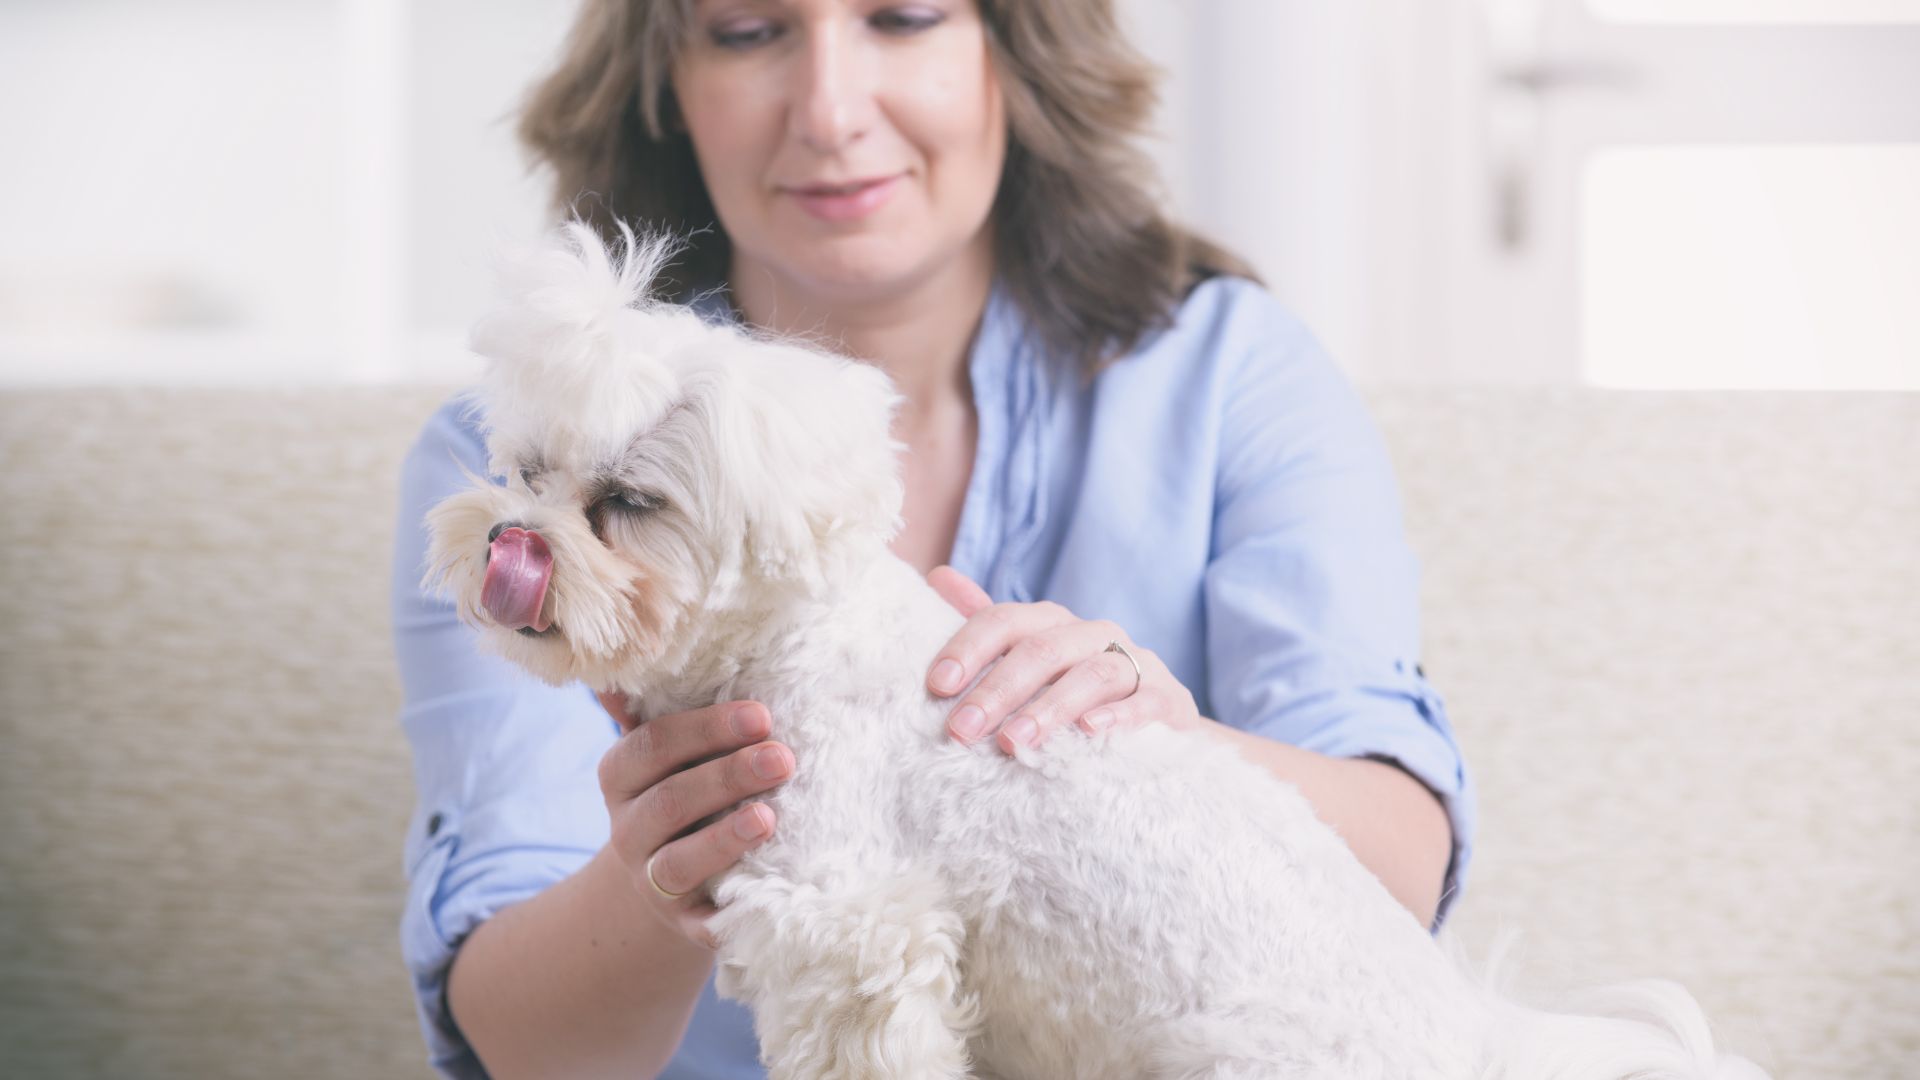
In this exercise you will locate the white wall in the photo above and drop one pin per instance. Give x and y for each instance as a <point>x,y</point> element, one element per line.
<point>228,190</point>
<point>1269,118</point>
<point>162,155</point>
<point>156,157</point>
<point>165,154</point>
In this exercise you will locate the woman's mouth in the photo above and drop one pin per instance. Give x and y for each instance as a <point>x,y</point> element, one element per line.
<point>848,201</point>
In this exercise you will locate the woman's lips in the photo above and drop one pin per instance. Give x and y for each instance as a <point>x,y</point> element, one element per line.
<point>850,206</point>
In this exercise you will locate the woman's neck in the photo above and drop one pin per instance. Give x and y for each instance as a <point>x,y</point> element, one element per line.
<point>919,333</point>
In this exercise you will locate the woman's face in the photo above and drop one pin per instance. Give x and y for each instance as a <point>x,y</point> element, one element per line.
<point>851,147</point>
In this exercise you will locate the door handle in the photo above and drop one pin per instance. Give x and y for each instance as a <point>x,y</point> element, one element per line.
<point>1523,75</point>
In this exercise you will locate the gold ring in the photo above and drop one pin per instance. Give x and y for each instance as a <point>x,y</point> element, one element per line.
<point>1115,646</point>
<point>651,880</point>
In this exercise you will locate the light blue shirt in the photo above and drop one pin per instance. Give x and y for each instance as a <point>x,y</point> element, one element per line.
<point>1221,493</point>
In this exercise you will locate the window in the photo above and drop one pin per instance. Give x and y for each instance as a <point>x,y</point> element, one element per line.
<point>1757,11</point>
<point>1790,267</point>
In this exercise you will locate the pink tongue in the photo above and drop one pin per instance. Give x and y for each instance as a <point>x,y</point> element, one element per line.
<point>518,566</point>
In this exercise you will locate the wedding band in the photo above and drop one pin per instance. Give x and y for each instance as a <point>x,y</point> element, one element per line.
<point>1115,646</point>
<point>656,884</point>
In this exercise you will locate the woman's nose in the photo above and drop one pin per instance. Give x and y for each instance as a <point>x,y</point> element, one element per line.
<point>833,101</point>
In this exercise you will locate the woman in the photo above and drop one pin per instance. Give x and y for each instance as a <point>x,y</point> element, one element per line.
<point>1106,423</point>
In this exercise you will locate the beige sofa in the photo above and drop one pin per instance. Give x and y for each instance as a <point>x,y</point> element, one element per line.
<point>1678,635</point>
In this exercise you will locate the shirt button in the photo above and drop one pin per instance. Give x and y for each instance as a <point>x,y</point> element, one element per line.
<point>433,824</point>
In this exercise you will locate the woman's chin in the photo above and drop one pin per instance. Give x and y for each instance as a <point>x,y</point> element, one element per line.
<point>857,270</point>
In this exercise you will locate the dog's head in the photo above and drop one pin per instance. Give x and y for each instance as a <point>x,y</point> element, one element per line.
<point>663,476</point>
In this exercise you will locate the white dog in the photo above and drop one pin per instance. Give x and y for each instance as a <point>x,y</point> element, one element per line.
<point>692,514</point>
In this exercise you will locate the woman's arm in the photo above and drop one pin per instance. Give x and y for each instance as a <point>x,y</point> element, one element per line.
<point>1310,608</point>
<point>1395,826</point>
<point>598,975</point>
<point>1393,823</point>
<point>580,980</point>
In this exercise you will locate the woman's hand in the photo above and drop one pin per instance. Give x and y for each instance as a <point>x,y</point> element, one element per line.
<point>1054,668</point>
<point>665,777</point>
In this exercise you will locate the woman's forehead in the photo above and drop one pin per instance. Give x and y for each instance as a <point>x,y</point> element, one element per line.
<point>697,6</point>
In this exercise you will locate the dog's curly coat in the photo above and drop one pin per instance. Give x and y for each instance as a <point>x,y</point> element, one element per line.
<point>717,509</point>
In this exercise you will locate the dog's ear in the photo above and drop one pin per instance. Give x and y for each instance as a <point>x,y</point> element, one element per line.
<point>803,445</point>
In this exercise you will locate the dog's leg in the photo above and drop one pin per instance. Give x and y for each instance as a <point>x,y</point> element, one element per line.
<point>852,982</point>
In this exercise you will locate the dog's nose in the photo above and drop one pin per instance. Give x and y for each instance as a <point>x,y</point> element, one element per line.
<point>494,533</point>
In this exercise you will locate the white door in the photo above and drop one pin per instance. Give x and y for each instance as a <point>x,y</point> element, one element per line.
<point>1653,193</point>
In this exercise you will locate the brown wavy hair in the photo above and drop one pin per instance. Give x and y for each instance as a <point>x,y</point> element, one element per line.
<point>1081,244</point>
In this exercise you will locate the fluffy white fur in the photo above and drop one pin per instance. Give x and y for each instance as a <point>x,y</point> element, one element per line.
<point>1141,904</point>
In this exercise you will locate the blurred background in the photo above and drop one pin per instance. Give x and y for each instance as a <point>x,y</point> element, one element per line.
<point>1632,288</point>
<point>1630,193</point>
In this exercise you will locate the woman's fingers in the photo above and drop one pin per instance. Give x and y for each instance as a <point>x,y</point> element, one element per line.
<point>659,781</point>
<point>661,747</point>
<point>651,823</point>
<point>678,774</point>
<point>616,706</point>
<point>1040,643</point>
<point>987,633</point>
<point>1105,678</point>
<point>670,806</point>
<point>1126,713</point>
<point>958,589</point>
<point>682,866</point>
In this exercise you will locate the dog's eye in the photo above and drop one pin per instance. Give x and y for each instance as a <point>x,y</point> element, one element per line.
<point>622,502</point>
<point>640,502</point>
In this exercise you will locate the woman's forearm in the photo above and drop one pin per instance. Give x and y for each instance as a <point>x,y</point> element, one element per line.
<point>581,980</point>
<point>1395,826</point>
<point>578,981</point>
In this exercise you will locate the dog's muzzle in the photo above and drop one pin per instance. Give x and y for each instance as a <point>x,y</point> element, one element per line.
<point>519,566</point>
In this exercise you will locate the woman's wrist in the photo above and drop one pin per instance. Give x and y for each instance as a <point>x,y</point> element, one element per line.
<point>578,979</point>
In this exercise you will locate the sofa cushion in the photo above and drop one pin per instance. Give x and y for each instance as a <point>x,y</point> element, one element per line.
<point>1675,632</point>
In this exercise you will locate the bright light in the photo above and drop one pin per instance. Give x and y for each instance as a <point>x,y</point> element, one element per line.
<point>1801,12</point>
<point>1780,267</point>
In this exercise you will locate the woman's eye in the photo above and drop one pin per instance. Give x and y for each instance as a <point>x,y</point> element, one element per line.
<point>906,20</point>
<point>743,35</point>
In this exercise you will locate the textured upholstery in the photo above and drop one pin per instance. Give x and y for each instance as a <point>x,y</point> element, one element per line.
<point>1677,635</point>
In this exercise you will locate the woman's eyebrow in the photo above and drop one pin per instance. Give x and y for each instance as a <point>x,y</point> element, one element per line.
<point>699,6</point>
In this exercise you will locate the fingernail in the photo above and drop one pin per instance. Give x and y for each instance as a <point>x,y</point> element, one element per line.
<point>1022,729</point>
<point>749,823</point>
<point>946,676</point>
<point>750,722</point>
<point>969,722</point>
<point>1099,720</point>
<point>767,764</point>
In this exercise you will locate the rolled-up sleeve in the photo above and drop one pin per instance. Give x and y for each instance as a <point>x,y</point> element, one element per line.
<point>504,765</point>
<point>1312,593</point>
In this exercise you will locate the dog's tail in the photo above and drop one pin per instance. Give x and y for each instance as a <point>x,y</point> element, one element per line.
<point>1650,1029</point>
